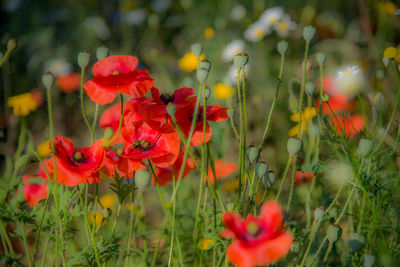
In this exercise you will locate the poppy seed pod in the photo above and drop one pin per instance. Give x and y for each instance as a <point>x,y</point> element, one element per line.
<point>261,169</point>
<point>270,179</point>
<point>294,145</point>
<point>283,47</point>
<point>83,59</point>
<point>240,60</point>
<point>171,109</point>
<point>101,52</point>
<point>321,57</point>
<point>142,179</point>
<point>368,260</point>
<point>12,44</point>
<point>356,242</point>
<point>202,75</point>
<point>365,147</point>
<point>48,80</point>
<point>196,49</point>
<point>108,133</point>
<point>325,98</point>
<point>205,64</point>
<point>252,153</point>
<point>318,213</point>
<point>334,233</point>
<point>310,88</point>
<point>207,93</point>
<point>308,33</point>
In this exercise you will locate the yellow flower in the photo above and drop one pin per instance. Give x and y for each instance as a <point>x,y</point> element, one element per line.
<point>43,149</point>
<point>22,104</point>
<point>107,201</point>
<point>189,62</point>
<point>397,58</point>
<point>389,7</point>
<point>295,129</point>
<point>390,52</point>
<point>307,114</point>
<point>223,91</point>
<point>204,244</point>
<point>209,33</point>
<point>99,218</point>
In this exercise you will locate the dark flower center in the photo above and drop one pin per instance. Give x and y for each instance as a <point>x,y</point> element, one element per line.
<point>141,145</point>
<point>167,98</point>
<point>78,157</point>
<point>253,229</point>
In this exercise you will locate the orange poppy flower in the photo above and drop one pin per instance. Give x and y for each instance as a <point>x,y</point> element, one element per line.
<point>258,240</point>
<point>69,83</point>
<point>222,170</point>
<point>350,126</point>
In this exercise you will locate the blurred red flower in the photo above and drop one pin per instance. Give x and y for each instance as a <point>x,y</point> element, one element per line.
<point>181,96</point>
<point>350,126</point>
<point>34,192</point>
<point>258,240</point>
<point>222,170</point>
<point>303,177</point>
<point>76,166</point>
<point>117,74</point>
<point>69,83</point>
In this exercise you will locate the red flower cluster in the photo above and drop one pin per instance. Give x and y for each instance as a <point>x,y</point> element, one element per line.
<point>258,240</point>
<point>147,131</point>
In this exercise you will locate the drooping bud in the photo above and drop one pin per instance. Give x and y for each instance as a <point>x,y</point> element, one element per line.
<point>310,88</point>
<point>294,145</point>
<point>101,52</point>
<point>171,109</point>
<point>334,233</point>
<point>321,57</point>
<point>318,213</point>
<point>12,45</point>
<point>356,242</point>
<point>252,153</point>
<point>83,59</point>
<point>368,260</point>
<point>108,133</point>
<point>142,179</point>
<point>196,49</point>
<point>48,80</point>
<point>365,147</point>
<point>240,60</point>
<point>283,47</point>
<point>261,169</point>
<point>22,162</point>
<point>308,33</point>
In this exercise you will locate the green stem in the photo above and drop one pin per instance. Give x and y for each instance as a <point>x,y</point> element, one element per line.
<point>303,83</point>
<point>131,222</point>
<point>96,114</point>
<point>3,59</point>
<point>121,117</point>
<point>116,220</point>
<point>26,246</point>
<point>284,178</point>
<point>83,106</point>
<point>240,167</point>
<point>292,183</point>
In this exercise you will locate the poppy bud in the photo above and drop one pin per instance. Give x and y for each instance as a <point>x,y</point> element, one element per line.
<point>325,98</point>
<point>261,169</point>
<point>321,57</point>
<point>334,233</point>
<point>365,147</point>
<point>83,59</point>
<point>385,61</point>
<point>310,88</point>
<point>231,113</point>
<point>207,93</point>
<point>11,45</point>
<point>294,145</point>
<point>171,109</point>
<point>205,64</point>
<point>356,242</point>
<point>142,179</point>
<point>270,179</point>
<point>318,213</point>
<point>22,162</point>
<point>101,52</point>
<point>196,49</point>
<point>252,153</point>
<point>368,260</point>
<point>202,75</point>
<point>308,33</point>
<point>240,60</point>
<point>283,47</point>
<point>48,80</point>
<point>108,133</point>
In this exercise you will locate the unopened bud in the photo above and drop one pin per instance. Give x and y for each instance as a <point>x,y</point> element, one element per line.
<point>294,145</point>
<point>261,169</point>
<point>11,45</point>
<point>171,109</point>
<point>365,147</point>
<point>334,232</point>
<point>196,49</point>
<point>318,213</point>
<point>368,260</point>
<point>310,88</point>
<point>101,52</point>
<point>252,153</point>
<point>308,33</point>
<point>202,75</point>
<point>240,60</point>
<point>356,242</point>
<point>48,80</point>
<point>142,179</point>
<point>83,59</point>
<point>321,57</point>
<point>270,179</point>
<point>207,93</point>
<point>108,133</point>
<point>22,162</point>
<point>283,47</point>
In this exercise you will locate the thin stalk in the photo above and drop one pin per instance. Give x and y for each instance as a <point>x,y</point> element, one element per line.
<point>303,83</point>
<point>121,117</point>
<point>3,59</point>
<point>116,220</point>
<point>40,230</point>
<point>131,221</point>
<point>94,123</point>
<point>292,183</point>
<point>240,133</point>
<point>26,246</point>
<point>83,106</point>
<point>284,177</point>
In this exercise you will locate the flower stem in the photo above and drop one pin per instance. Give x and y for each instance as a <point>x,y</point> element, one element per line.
<point>131,222</point>
<point>284,177</point>
<point>121,117</point>
<point>83,106</point>
<point>303,83</point>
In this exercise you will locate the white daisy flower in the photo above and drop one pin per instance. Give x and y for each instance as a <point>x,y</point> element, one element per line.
<point>284,26</point>
<point>272,16</point>
<point>257,31</point>
<point>58,66</point>
<point>238,12</point>
<point>349,81</point>
<point>349,71</point>
<point>233,48</point>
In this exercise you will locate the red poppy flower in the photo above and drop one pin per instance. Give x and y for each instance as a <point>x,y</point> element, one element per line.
<point>222,170</point>
<point>34,192</point>
<point>303,177</point>
<point>117,74</point>
<point>69,83</point>
<point>165,175</point>
<point>181,96</point>
<point>77,166</point>
<point>337,100</point>
<point>184,117</point>
<point>350,125</point>
<point>110,119</point>
<point>115,162</point>
<point>258,240</point>
<point>137,109</point>
<point>151,140</point>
